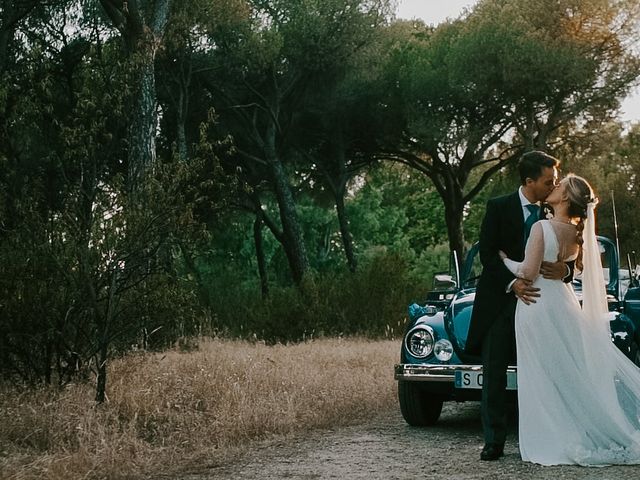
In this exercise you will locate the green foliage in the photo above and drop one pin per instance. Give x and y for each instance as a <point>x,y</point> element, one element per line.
<point>433,259</point>
<point>93,264</point>
<point>271,103</point>
<point>73,286</point>
<point>371,302</point>
<point>390,206</point>
<point>39,293</point>
<point>608,156</point>
<point>472,94</point>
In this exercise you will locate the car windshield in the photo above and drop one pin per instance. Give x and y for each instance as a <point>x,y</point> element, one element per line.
<point>606,257</point>
<point>473,267</point>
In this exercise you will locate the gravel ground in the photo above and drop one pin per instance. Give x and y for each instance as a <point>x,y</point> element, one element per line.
<point>387,448</point>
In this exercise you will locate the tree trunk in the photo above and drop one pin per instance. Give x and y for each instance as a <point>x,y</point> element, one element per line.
<point>450,185</point>
<point>101,384</point>
<point>345,233</point>
<point>102,324</point>
<point>338,184</point>
<point>142,26</point>
<point>181,137</point>
<point>262,269</point>
<point>293,244</point>
<point>454,214</point>
<point>182,107</point>
<point>142,129</point>
<point>104,336</point>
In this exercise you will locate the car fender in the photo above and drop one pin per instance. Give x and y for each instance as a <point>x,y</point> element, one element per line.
<point>623,331</point>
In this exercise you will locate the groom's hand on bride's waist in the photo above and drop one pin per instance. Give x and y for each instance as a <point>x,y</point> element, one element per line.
<point>525,291</point>
<point>554,270</point>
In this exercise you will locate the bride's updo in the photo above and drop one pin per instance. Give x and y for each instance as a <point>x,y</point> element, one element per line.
<point>579,194</point>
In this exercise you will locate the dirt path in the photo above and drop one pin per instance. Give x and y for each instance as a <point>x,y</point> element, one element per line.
<point>387,448</point>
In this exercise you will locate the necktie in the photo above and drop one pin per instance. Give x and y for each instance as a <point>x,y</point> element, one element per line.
<point>534,216</point>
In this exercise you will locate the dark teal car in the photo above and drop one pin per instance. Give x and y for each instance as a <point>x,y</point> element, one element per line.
<point>433,366</point>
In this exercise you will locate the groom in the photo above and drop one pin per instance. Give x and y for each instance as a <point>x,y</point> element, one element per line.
<point>506,227</point>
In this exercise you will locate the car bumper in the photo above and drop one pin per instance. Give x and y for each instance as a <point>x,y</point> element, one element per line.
<point>435,373</point>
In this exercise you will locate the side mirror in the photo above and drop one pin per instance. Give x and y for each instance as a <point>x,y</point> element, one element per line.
<point>443,281</point>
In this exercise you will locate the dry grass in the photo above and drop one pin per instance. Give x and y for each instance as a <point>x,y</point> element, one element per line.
<point>178,410</point>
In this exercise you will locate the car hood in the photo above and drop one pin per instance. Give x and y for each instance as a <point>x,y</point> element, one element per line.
<point>457,317</point>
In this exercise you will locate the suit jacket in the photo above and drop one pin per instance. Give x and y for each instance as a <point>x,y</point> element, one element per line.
<point>502,229</point>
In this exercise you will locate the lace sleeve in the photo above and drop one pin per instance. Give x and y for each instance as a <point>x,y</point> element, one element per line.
<point>512,265</point>
<point>529,268</point>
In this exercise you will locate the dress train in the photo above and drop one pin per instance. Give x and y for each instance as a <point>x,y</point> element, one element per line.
<point>578,395</point>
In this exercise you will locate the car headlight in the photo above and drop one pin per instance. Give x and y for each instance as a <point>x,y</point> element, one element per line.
<point>443,350</point>
<point>419,341</point>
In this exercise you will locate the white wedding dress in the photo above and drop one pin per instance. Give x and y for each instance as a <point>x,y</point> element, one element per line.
<point>578,395</point>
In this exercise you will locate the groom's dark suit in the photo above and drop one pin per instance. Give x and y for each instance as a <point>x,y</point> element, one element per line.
<point>492,328</point>
<point>502,229</point>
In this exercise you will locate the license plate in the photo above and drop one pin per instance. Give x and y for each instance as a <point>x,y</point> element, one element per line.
<point>474,380</point>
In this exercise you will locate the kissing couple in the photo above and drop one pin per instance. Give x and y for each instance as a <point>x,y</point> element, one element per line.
<point>578,395</point>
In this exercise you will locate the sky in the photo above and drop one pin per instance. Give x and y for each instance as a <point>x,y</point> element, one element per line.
<point>436,11</point>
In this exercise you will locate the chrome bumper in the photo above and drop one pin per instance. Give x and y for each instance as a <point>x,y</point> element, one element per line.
<point>435,373</point>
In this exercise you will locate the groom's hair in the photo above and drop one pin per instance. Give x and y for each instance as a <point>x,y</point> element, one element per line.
<point>532,163</point>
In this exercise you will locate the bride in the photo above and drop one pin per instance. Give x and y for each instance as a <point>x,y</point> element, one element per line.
<point>578,395</point>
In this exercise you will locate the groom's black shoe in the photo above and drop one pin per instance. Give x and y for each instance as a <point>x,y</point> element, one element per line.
<point>492,451</point>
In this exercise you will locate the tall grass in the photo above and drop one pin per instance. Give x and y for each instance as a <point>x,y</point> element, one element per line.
<point>173,411</point>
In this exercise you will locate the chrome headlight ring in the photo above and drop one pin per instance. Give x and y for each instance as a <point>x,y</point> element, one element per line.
<point>419,341</point>
<point>443,350</point>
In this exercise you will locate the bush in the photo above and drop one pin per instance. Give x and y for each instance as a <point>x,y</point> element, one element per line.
<point>371,302</point>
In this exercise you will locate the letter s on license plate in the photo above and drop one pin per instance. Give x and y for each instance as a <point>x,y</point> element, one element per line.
<point>464,379</point>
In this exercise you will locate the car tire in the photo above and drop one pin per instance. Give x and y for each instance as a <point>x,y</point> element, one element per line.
<point>419,408</point>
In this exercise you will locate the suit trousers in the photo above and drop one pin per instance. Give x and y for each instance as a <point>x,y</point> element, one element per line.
<point>498,351</point>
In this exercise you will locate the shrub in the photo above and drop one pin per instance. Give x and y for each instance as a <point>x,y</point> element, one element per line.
<point>370,302</point>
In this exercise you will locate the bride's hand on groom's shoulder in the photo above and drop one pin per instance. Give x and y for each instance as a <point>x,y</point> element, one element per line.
<point>502,255</point>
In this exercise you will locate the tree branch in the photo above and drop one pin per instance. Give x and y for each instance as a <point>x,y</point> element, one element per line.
<point>115,14</point>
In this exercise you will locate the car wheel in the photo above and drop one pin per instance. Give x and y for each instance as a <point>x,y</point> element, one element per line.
<point>419,408</point>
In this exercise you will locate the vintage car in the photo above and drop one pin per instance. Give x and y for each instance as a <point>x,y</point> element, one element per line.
<point>433,365</point>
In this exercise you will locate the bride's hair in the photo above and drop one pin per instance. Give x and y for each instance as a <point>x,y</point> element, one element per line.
<point>579,194</point>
